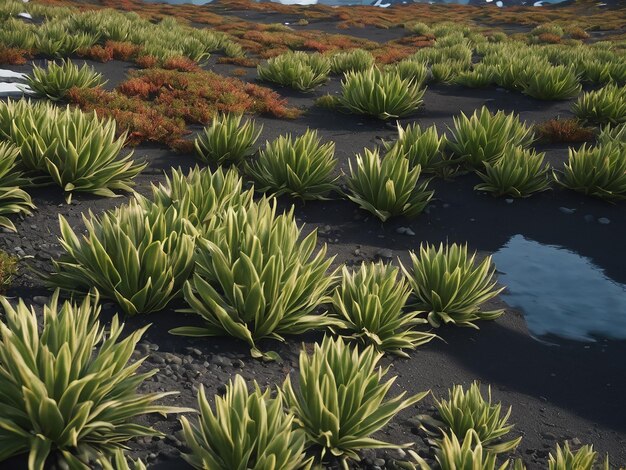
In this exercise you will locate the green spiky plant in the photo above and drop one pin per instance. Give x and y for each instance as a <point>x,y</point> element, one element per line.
<point>387,186</point>
<point>597,171</point>
<point>296,69</point>
<point>302,167</point>
<point>466,411</point>
<point>448,70</point>
<point>583,459</point>
<point>13,199</point>
<point>481,76</point>
<point>247,430</point>
<point>464,454</point>
<point>67,388</point>
<point>342,399</point>
<point>227,140</point>
<point>484,136</point>
<point>138,254</point>
<point>613,135</point>
<point>8,270</point>
<point>552,83</point>
<point>604,106</point>
<point>118,461</point>
<point>450,286</point>
<point>255,278</point>
<point>78,152</point>
<point>380,93</point>
<point>423,147</point>
<point>519,173</point>
<point>369,303</point>
<point>351,61</point>
<point>54,81</point>
<point>411,70</point>
<point>201,194</point>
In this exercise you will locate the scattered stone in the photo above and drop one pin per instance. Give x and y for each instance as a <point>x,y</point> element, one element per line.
<point>40,300</point>
<point>604,221</point>
<point>384,253</point>
<point>589,218</point>
<point>548,435</point>
<point>509,201</point>
<point>405,231</point>
<point>172,359</point>
<point>567,210</point>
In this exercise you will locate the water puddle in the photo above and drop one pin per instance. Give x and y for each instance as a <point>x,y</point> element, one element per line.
<point>560,292</point>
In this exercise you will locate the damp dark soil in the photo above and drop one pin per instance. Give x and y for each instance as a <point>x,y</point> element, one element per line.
<point>558,389</point>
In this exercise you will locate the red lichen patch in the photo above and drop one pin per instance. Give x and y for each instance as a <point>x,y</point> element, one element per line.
<point>156,104</point>
<point>239,72</point>
<point>182,64</point>
<point>564,130</point>
<point>241,61</point>
<point>549,38</point>
<point>13,56</point>
<point>183,146</point>
<point>131,114</point>
<point>125,51</point>
<point>392,53</point>
<point>97,53</point>
<point>146,61</point>
<point>577,33</point>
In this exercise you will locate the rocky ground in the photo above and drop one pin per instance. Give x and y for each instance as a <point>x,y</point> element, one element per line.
<point>558,390</point>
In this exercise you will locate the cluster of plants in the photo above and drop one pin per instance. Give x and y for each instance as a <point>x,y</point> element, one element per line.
<point>76,151</point>
<point>54,81</point>
<point>470,432</point>
<point>380,93</point>
<point>297,70</point>
<point>69,393</point>
<point>99,34</point>
<point>157,104</point>
<point>604,106</point>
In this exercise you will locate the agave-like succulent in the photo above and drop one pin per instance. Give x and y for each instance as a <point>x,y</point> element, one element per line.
<point>583,459</point>
<point>423,147</point>
<point>8,270</point>
<point>54,81</point>
<point>448,70</point>
<point>597,171</point>
<point>341,399</point>
<point>201,195</point>
<point>480,76</point>
<point>76,151</point>
<point>552,83</point>
<point>387,186</point>
<point>450,286</point>
<point>380,93</point>
<point>369,303</point>
<point>227,140</point>
<point>302,167</point>
<point>613,135</point>
<point>484,136</point>
<point>604,106</point>
<point>13,199</point>
<point>255,278</point>
<point>351,61</point>
<point>297,70</point>
<point>411,70</point>
<point>67,387</point>
<point>466,411</point>
<point>519,173</point>
<point>138,254</point>
<point>118,461</point>
<point>464,454</point>
<point>246,431</point>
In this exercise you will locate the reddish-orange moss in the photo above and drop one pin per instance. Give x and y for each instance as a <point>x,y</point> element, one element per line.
<point>13,56</point>
<point>564,130</point>
<point>156,104</point>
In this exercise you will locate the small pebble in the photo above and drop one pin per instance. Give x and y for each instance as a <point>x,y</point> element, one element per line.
<point>604,221</point>
<point>567,210</point>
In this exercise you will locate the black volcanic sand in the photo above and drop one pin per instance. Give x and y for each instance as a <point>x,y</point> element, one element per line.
<point>559,391</point>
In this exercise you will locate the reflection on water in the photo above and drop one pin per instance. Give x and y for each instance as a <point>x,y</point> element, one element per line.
<point>560,292</point>
<point>381,3</point>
